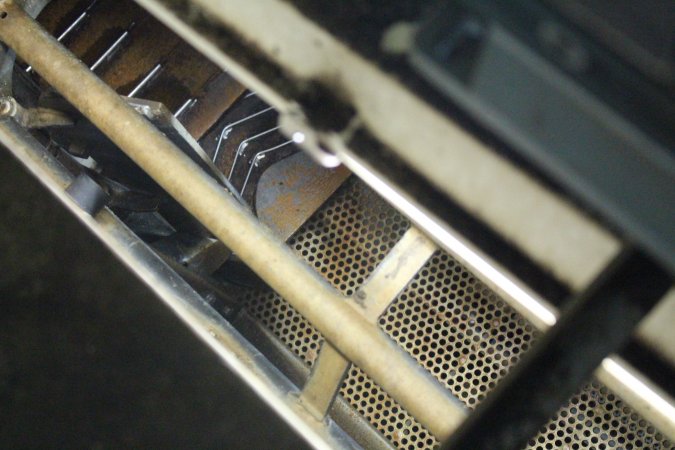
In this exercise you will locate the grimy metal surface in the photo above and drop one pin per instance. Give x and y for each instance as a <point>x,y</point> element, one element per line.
<point>649,399</point>
<point>343,326</point>
<point>185,75</point>
<point>187,304</point>
<point>451,323</point>
<point>566,356</point>
<point>388,279</point>
<point>452,159</point>
<point>645,396</point>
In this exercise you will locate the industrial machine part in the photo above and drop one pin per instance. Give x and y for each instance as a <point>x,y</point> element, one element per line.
<point>387,267</point>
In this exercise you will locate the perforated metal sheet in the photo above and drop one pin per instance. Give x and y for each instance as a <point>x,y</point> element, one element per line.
<point>286,323</point>
<point>597,419</point>
<point>457,328</point>
<point>465,335</point>
<point>344,241</point>
<point>384,413</point>
<point>349,236</point>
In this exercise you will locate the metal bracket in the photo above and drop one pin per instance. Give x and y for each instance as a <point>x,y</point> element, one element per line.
<point>32,117</point>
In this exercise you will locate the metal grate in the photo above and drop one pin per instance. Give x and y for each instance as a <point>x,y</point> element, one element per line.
<point>344,241</point>
<point>447,320</point>
<point>286,323</point>
<point>349,236</point>
<point>465,335</point>
<point>457,328</point>
<point>596,419</point>
<point>454,326</point>
<point>384,413</point>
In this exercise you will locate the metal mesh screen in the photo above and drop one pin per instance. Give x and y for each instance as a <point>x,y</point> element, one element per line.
<point>383,412</point>
<point>344,241</point>
<point>454,326</point>
<point>458,329</point>
<point>597,419</point>
<point>349,236</point>
<point>286,323</point>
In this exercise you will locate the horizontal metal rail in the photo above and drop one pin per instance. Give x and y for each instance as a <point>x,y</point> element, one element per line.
<point>344,327</point>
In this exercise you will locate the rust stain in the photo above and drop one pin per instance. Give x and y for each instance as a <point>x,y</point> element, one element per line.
<point>218,95</point>
<point>186,74</point>
<point>396,437</point>
<point>300,189</point>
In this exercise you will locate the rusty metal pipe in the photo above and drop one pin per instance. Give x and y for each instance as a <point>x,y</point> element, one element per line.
<point>344,327</point>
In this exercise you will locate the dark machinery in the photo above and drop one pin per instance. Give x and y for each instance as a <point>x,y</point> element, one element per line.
<point>405,225</point>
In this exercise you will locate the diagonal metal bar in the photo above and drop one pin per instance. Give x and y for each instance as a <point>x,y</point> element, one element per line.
<point>226,341</point>
<point>597,322</point>
<point>324,382</point>
<point>390,277</point>
<point>341,325</point>
<point>394,273</point>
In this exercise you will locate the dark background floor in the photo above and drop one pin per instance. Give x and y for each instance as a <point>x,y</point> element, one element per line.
<point>89,358</point>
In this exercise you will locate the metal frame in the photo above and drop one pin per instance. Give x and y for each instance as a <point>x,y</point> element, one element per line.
<point>563,359</point>
<point>342,325</point>
<point>463,168</point>
<point>655,404</point>
<point>388,365</point>
<point>382,287</point>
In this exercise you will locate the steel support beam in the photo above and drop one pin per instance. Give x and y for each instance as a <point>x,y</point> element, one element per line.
<point>393,274</point>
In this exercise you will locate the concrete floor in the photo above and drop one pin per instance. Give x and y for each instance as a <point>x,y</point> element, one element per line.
<point>89,358</point>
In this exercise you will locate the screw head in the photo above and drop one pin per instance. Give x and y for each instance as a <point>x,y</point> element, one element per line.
<point>5,106</point>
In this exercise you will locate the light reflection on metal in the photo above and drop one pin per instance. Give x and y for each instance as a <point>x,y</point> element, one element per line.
<point>615,373</point>
<point>146,80</point>
<point>633,387</point>
<point>256,161</point>
<point>298,137</point>
<point>71,27</point>
<point>111,49</point>
<point>241,149</point>
<point>228,128</point>
<point>537,310</point>
<point>189,103</point>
